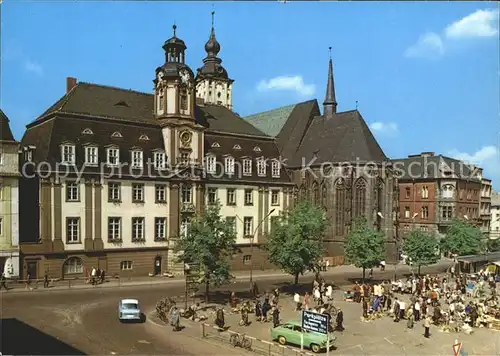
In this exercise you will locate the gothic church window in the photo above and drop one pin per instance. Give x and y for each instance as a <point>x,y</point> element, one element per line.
<point>315,193</point>
<point>340,194</point>
<point>360,198</point>
<point>324,195</point>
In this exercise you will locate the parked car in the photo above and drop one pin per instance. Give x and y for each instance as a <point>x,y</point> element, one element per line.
<point>128,309</point>
<point>290,333</point>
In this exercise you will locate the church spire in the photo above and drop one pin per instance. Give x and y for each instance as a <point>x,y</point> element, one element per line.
<point>330,103</point>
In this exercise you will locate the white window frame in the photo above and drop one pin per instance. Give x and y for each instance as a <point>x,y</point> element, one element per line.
<point>114,188</point>
<point>72,191</point>
<point>68,154</point>
<point>229,165</point>
<point>113,154</point>
<point>184,228</point>
<point>247,167</point>
<point>211,164</point>
<point>138,192</point>
<point>275,193</point>
<point>114,228</point>
<point>247,226</point>
<point>160,228</point>
<point>261,167</point>
<point>211,191</point>
<point>275,169</point>
<point>138,233</point>
<point>73,268</point>
<point>91,155</point>
<point>233,220</point>
<point>137,159</point>
<point>72,223</point>
<point>188,190</point>
<point>407,213</point>
<point>160,159</point>
<point>126,265</point>
<point>231,192</point>
<point>160,193</point>
<point>248,192</point>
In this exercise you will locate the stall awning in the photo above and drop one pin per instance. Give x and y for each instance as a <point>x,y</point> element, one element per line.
<point>497,263</point>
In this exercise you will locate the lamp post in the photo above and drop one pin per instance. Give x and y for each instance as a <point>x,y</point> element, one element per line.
<point>251,241</point>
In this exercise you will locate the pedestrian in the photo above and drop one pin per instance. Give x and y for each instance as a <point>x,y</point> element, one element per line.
<point>2,282</point>
<point>103,276</point>
<point>255,290</point>
<point>28,281</point>
<point>365,308</point>
<point>258,310</point>
<point>296,299</point>
<point>265,309</point>
<point>397,310</point>
<point>427,326</point>
<point>175,319</point>
<point>93,275</point>
<point>339,320</point>
<point>416,310</point>
<point>219,319</point>
<point>46,280</point>
<point>382,266</point>
<point>411,320</point>
<point>276,316</point>
<point>232,300</point>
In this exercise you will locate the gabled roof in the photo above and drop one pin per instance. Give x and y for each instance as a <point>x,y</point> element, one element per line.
<point>5,131</point>
<point>342,137</point>
<point>137,107</point>
<point>271,122</point>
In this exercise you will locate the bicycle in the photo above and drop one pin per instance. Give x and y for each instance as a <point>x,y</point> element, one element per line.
<point>240,341</point>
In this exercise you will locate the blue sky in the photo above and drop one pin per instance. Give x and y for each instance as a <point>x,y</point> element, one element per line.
<point>425,75</point>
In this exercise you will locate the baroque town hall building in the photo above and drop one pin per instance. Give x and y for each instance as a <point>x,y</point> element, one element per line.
<point>142,165</point>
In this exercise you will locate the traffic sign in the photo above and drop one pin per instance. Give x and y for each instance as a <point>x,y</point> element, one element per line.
<point>315,322</point>
<point>457,348</point>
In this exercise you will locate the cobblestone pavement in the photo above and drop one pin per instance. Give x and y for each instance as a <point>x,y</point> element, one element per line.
<point>378,337</point>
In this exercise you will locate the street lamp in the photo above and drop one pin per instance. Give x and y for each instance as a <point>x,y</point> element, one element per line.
<point>251,241</point>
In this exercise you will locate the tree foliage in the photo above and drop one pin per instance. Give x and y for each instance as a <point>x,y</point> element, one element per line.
<point>210,242</point>
<point>364,246</point>
<point>296,240</point>
<point>493,245</point>
<point>421,248</point>
<point>462,238</point>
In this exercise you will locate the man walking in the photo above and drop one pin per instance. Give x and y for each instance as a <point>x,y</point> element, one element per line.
<point>427,326</point>
<point>2,282</point>
<point>46,280</point>
<point>340,320</point>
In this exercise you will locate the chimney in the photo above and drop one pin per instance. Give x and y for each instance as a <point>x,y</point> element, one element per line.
<point>70,83</point>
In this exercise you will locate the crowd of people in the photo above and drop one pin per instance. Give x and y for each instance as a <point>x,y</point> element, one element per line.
<point>454,303</point>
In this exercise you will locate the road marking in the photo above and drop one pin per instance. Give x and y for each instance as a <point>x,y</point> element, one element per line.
<point>113,353</point>
<point>389,341</point>
<point>143,342</point>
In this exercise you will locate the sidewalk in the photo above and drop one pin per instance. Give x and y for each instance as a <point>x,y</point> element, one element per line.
<point>158,280</point>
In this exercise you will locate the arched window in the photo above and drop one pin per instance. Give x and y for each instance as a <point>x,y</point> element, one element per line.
<point>448,191</point>
<point>315,193</point>
<point>161,100</point>
<point>339,207</point>
<point>379,195</point>
<point>184,99</point>
<point>324,192</point>
<point>302,192</point>
<point>73,265</point>
<point>360,198</point>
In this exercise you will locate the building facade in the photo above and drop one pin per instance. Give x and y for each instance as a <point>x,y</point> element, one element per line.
<point>495,216</point>
<point>485,206</point>
<point>9,200</point>
<point>434,190</point>
<point>113,177</point>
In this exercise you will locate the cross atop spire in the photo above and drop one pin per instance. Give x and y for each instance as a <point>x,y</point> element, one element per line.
<point>213,18</point>
<point>174,27</point>
<point>330,103</point>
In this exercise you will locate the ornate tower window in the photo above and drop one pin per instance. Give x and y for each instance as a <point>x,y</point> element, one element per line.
<point>184,99</point>
<point>340,194</point>
<point>360,198</point>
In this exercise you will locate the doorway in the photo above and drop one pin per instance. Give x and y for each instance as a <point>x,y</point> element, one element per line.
<point>157,269</point>
<point>31,268</point>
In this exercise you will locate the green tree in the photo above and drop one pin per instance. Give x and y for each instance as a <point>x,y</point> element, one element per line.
<point>364,246</point>
<point>493,245</point>
<point>210,242</point>
<point>421,248</point>
<point>462,238</point>
<point>296,240</point>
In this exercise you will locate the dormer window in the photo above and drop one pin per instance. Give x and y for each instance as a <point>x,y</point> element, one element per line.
<point>136,156</point>
<point>144,138</point>
<point>211,163</point>
<point>68,154</point>
<point>91,155</point>
<point>237,147</point>
<point>159,160</point>
<point>215,145</point>
<point>261,167</point>
<point>229,165</point>
<point>247,167</point>
<point>87,132</point>
<point>122,103</point>
<point>276,169</point>
<point>116,134</point>
<point>257,149</point>
<point>113,156</point>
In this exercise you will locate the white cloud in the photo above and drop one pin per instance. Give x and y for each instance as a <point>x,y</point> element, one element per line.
<point>482,23</point>
<point>488,158</point>
<point>429,44</point>
<point>290,83</point>
<point>33,67</point>
<point>389,128</point>
<point>479,24</point>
